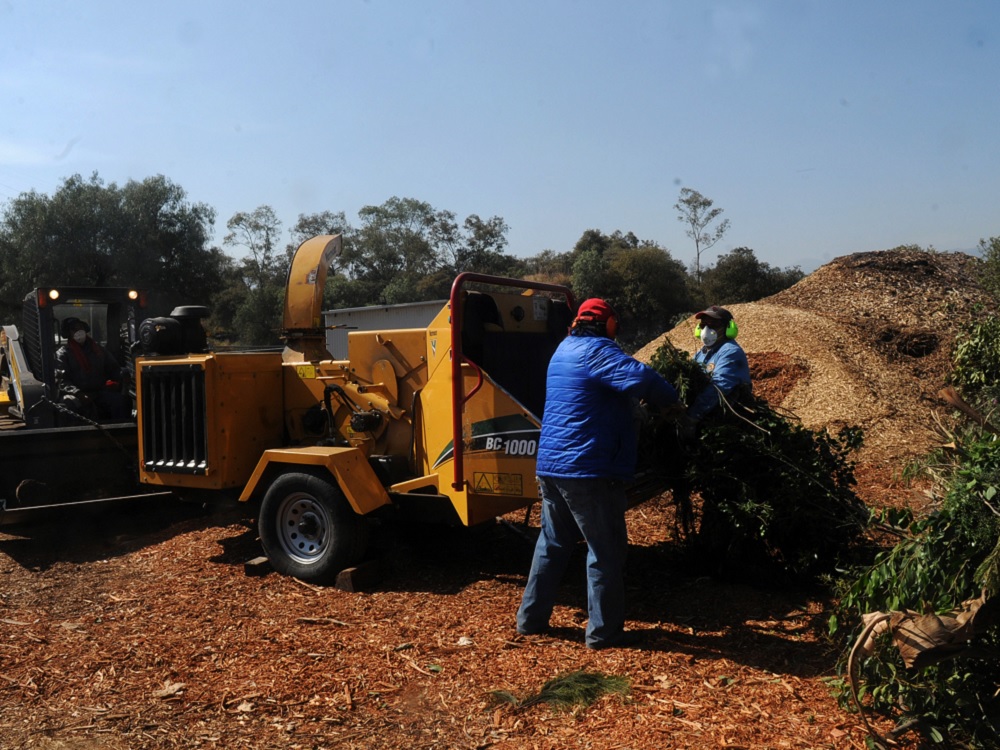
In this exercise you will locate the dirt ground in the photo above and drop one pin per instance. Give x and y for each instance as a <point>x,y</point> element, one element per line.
<point>145,628</point>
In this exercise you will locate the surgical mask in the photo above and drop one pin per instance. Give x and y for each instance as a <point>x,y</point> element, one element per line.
<point>709,336</point>
<point>80,336</point>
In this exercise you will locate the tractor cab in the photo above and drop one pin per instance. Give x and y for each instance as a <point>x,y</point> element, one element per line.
<point>27,353</point>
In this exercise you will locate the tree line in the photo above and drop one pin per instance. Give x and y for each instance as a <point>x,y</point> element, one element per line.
<point>147,234</point>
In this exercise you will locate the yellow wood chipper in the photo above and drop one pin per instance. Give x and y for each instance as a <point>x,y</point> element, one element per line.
<point>440,423</point>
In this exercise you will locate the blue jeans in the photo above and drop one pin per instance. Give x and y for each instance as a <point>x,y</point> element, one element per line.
<point>594,510</point>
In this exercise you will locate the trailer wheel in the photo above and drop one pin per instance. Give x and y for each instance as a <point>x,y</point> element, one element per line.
<point>309,530</point>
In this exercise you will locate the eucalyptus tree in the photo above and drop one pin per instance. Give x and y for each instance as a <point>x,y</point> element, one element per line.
<point>697,212</point>
<point>646,285</point>
<point>405,250</point>
<point>262,270</point>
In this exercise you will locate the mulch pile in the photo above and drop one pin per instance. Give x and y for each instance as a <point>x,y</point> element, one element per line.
<point>866,341</point>
<point>144,628</point>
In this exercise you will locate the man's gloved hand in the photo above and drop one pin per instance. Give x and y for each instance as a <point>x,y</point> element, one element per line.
<point>687,429</point>
<point>643,414</point>
<point>673,412</point>
<point>647,414</point>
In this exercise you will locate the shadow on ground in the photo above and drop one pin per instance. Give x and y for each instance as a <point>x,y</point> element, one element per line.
<point>100,532</point>
<point>679,610</point>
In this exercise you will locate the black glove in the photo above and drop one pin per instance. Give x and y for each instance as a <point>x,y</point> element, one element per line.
<point>687,430</point>
<point>643,414</point>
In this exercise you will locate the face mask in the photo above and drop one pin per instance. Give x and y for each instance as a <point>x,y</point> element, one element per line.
<point>80,336</point>
<point>709,336</point>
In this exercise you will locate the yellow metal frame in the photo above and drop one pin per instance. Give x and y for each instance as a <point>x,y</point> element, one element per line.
<point>349,466</point>
<point>243,416</point>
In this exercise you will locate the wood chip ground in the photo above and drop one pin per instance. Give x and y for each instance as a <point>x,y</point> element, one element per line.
<point>144,628</point>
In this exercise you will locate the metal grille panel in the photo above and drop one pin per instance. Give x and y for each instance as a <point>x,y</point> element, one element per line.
<point>174,414</point>
<point>29,338</point>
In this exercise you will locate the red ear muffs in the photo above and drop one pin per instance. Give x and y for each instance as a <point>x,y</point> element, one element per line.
<point>612,327</point>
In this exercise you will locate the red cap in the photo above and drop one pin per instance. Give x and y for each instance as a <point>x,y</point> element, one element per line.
<point>595,310</point>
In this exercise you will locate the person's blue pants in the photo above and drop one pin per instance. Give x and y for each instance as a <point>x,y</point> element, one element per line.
<point>594,510</point>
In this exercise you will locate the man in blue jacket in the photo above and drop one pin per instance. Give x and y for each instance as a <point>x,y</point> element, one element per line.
<point>586,454</point>
<point>721,357</point>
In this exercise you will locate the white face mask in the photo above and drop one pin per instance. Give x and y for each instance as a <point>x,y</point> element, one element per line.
<point>709,336</point>
<point>80,336</point>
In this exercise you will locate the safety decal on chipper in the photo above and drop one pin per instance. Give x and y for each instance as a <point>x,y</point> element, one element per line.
<point>512,435</point>
<point>491,483</point>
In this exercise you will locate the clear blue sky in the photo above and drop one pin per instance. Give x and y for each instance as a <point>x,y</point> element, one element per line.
<point>820,128</point>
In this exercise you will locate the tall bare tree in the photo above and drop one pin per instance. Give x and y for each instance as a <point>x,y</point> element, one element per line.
<point>696,211</point>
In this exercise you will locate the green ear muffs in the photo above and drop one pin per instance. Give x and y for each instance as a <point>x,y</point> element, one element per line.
<point>731,330</point>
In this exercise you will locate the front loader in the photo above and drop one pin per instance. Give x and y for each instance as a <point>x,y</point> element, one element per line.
<point>49,455</point>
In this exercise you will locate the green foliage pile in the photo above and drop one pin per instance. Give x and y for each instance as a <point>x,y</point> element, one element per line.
<point>989,276</point>
<point>943,558</point>
<point>976,362</point>
<point>776,499</point>
<point>569,692</point>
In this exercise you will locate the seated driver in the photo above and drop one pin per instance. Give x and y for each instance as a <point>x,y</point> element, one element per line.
<point>90,376</point>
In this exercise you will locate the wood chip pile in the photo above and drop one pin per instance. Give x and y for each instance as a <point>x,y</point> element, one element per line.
<point>867,340</point>
<point>144,628</point>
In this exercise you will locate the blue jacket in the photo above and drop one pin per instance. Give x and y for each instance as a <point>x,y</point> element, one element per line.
<point>588,428</point>
<point>726,363</point>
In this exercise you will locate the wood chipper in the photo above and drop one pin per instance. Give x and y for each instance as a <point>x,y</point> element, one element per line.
<point>438,423</point>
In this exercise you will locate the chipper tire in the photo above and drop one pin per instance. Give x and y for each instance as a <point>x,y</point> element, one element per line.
<point>309,530</point>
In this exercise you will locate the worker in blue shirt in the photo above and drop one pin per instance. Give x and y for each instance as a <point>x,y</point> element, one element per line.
<point>721,357</point>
